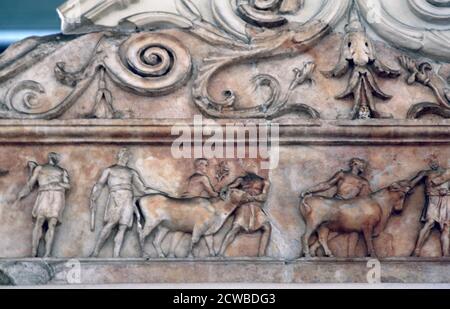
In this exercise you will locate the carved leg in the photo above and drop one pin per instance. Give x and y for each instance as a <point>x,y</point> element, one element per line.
<point>37,235</point>
<point>49,236</point>
<point>423,236</point>
<point>368,233</point>
<point>445,241</point>
<point>390,245</point>
<point>197,234</point>
<point>323,239</point>
<point>104,234</point>
<point>235,230</point>
<point>210,244</point>
<point>352,242</point>
<point>118,240</point>
<point>176,238</point>
<point>144,233</point>
<point>305,240</point>
<point>162,233</point>
<point>314,247</point>
<point>267,230</point>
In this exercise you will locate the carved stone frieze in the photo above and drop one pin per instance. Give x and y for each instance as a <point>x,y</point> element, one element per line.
<point>194,54</point>
<point>228,140</point>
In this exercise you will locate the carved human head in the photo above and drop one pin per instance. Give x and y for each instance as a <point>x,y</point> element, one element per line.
<point>434,163</point>
<point>123,157</point>
<point>359,164</point>
<point>54,158</point>
<point>201,165</point>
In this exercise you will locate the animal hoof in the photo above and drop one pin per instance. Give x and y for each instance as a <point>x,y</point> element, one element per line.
<point>308,255</point>
<point>145,255</point>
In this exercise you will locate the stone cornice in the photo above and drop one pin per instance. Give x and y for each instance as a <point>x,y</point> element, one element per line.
<point>382,132</point>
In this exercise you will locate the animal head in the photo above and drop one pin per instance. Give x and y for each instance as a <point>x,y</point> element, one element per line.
<point>234,196</point>
<point>357,47</point>
<point>400,189</point>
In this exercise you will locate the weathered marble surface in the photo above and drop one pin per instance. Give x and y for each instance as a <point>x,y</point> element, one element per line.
<point>153,73</point>
<point>301,165</point>
<point>138,271</point>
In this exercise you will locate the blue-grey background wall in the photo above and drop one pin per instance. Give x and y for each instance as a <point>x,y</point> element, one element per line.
<point>23,18</point>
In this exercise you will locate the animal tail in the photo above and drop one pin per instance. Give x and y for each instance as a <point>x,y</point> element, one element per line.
<point>305,209</point>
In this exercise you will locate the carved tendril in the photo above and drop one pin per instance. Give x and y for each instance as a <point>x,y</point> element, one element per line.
<point>423,74</point>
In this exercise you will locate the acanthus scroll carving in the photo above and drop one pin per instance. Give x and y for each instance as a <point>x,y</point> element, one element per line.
<point>145,58</point>
<point>266,13</point>
<point>423,74</point>
<point>151,64</point>
<point>358,56</point>
<point>276,106</point>
<point>146,63</point>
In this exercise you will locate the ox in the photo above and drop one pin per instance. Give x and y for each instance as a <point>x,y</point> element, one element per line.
<point>366,215</point>
<point>200,217</point>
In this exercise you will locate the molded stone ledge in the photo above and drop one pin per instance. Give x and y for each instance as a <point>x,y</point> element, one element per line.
<point>160,132</point>
<point>317,270</point>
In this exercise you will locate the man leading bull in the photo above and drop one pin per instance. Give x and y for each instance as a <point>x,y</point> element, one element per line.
<point>349,184</point>
<point>125,185</point>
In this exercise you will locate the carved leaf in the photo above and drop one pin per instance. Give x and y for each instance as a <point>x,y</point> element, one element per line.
<point>340,70</point>
<point>187,9</point>
<point>351,87</point>
<point>372,83</point>
<point>384,70</point>
<point>411,66</point>
<point>447,94</point>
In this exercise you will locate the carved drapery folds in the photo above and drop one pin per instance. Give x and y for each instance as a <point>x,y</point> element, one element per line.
<point>240,61</point>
